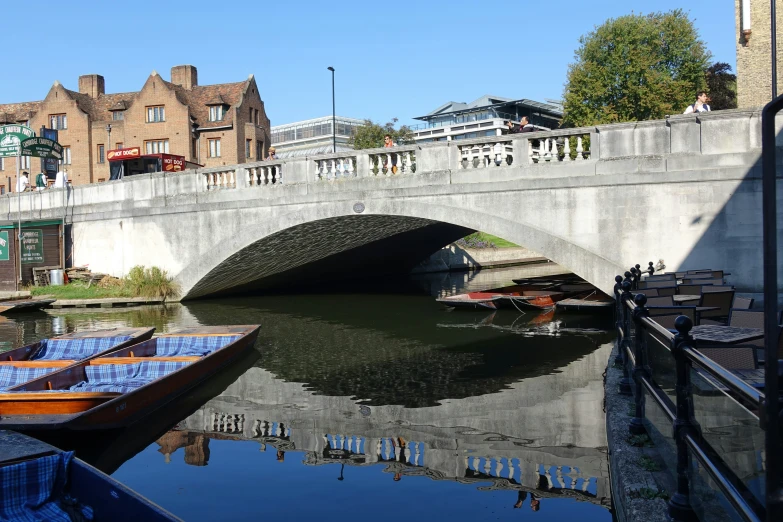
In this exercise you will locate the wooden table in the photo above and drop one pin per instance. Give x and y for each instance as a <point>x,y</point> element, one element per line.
<point>726,334</point>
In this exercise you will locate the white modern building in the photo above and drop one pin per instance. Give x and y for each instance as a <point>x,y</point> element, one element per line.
<point>483,117</point>
<point>311,137</point>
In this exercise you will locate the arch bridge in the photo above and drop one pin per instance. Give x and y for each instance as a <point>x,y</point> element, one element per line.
<point>685,190</point>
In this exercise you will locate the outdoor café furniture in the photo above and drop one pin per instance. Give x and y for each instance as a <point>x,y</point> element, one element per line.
<point>664,311</point>
<point>654,284</point>
<point>716,288</point>
<point>722,300</point>
<point>667,290</point>
<point>660,277</point>
<point>749,319</point>
<point>649,292</point>
<point>682,298</point>
<point>725,334</point>
<point>732,357</point>
<point>699,281</point>
<point>660,301</point>
<point>742,303</point>
<point>690,289</point>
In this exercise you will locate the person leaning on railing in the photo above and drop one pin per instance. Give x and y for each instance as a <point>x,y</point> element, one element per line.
<point>524,126</point>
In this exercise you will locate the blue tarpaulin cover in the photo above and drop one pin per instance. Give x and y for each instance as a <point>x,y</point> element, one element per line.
<point>77,349</point>
<point>32,491</point>
<point>123,378</point>
<point>11,376</point>
<point>191,345</point>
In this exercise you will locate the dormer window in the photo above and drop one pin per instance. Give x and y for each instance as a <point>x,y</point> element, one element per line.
<point>217,112</point>
<point>118,115</point>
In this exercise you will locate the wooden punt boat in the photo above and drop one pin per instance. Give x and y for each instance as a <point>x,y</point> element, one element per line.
<point>48,355</point>
<point>24,305</point>
<point>471,300</point>
<point>122,387</point>
<point>31,470</point>
<point>592,303</point>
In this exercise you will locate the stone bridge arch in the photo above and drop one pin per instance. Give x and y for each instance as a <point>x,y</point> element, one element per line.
<point>265,248</point>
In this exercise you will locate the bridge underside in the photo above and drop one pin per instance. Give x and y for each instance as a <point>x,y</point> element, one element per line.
<point>328,250</point>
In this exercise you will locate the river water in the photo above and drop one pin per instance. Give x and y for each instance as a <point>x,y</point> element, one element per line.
<point>379,405</point>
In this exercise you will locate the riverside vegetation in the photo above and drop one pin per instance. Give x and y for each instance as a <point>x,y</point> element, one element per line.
<point>140,282</point>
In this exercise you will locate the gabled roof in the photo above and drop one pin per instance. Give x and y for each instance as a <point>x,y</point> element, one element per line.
<point>100,109</point>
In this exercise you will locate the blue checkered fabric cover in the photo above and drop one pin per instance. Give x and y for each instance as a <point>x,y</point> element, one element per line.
<point>77,349</point>
<point>31,491</point>
<point>123,378</point>
<point>189,345</point>
<point>10,376</point>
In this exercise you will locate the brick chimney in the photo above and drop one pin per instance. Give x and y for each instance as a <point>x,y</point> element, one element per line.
<point>92,85</point>
<point>184,75</point>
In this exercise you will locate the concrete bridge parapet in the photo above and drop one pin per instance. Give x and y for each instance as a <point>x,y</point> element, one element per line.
<point>596,200</point>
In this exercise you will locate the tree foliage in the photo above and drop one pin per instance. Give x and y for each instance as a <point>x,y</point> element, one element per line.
<point>633,68</point>
<point>721,86</point>
<point>371,134</point>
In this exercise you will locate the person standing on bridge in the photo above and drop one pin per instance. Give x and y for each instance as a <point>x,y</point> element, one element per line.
<point>23,182</point>
<point>700,105</point>
<point>525,125</point>
<point>387,144</point>
<point>271,156</point>
<point>61,180</point>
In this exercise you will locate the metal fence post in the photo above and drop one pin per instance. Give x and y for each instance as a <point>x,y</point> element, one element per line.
<point>625,382</point>
<point>680,508</point>
<point>618,314</point>
<point>640,368</point>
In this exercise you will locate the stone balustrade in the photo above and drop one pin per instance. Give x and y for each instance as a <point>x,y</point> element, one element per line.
<point>493,151</point>
<point>563,145</point>
<point>219,178</point>
<point>265,174</point>
<point>392,161</point>
<point>335,167</point>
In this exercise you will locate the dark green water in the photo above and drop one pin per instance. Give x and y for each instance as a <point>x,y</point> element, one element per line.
<point>373,405</point>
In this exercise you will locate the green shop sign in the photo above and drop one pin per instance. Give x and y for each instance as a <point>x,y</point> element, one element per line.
<point>5,245</point>
<point>11,138</point>
<point>42,148</point>
<point>32,246</point>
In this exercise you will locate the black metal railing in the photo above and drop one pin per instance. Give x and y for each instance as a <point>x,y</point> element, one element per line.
<point>662,365</point>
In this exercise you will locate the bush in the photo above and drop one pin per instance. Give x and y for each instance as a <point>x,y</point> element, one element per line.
<point>150,282</point>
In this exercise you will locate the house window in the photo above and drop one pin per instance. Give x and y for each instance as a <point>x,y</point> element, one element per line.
<point>259,150</point>
<point>24,162</point>
<point>156,114</point>
<point>119,146</point>
<point>216,113</point>
<point>101,155</point>
<point>66,155</point>
<point>2,163</point>
<point>248,148</point>
<point>118,115</point>
<point>157,146</point>
<point>214,147</point>
<point>58,121</point>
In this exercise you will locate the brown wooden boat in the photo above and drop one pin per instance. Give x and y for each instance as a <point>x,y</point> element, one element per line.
<point>120,388</point>
<point>47,355</point>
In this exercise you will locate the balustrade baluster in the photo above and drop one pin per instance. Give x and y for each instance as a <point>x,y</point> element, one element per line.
<point>579,149</point>
<point>567,149</point>
<point>545,145</point>
<point>388,165</point>
<point>408,162</point>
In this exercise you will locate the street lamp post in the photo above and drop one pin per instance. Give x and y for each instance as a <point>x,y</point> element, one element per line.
<point>334,118</point>
<point>774,50</point>
<point>108,145</point>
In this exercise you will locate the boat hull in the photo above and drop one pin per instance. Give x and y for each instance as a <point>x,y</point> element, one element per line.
<point>125,409</point>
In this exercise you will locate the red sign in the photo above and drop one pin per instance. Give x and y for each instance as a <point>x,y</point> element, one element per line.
<point>123,154</point>
<point>173,163</point>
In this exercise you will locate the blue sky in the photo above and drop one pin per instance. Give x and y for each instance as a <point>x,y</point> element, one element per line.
<point>392,59</point>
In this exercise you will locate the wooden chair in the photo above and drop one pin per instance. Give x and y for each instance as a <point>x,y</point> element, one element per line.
<point>722,300</point>
<point>687,311</point>
<point>716,288</point>
<point>690,289</point>
<point>667,290</point>
<point>732,357</point>
<point>742,303</point>
<point>654,284</point>
<point>702,281</point>
<point>649,292</point>
<point>660,301</point>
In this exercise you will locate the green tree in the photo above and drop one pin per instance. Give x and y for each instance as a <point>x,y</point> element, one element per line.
<point>633,68</point>
<point>371,134</point>
<point>721,86</point>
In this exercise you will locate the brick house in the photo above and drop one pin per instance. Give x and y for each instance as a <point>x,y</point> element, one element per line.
<point>754,44</point>
<point>212,125</point>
